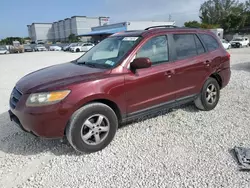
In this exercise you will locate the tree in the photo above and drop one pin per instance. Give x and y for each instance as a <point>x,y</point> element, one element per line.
<point>73,38</point>
<point>9,40</point>
<point>192,24</point>
<point>195,24</point>
<point>227,14</point>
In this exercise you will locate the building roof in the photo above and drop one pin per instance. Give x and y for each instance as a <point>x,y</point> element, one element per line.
<point>40,23</point>
<point>104,32</point>
<point>79,16</point>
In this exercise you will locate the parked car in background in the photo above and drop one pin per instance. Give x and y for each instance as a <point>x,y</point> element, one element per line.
<point>28,48</point>
<point>4,50</point>
<point>67,47</point>
<point>40,47</point>
<point>87,46</point>
<point>55,48</point>
<point>124,77</point>
<point>225,44</point>
<point>240,42</point>
<point>17,47</point>
<point>82,47</point>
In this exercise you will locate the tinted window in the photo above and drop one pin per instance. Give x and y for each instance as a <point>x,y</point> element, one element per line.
<point>210,42</point>
<point>199,46</point>
<point>156,49</point>
<point>185,45</point>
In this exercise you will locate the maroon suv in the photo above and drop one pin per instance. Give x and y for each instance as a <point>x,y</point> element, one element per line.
<point>126,76</point>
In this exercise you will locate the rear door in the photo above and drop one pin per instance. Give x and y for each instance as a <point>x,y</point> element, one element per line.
<point>191,65</point>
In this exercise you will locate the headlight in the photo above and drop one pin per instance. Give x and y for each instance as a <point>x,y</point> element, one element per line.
<point>47,98</point>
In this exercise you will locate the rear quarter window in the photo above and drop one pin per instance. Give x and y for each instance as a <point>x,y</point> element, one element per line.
<point>210,42</point>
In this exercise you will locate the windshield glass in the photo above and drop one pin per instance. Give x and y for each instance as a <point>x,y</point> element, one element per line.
<point>27,46</point>
<point>2,48</point>
<point>74,44</point>
<point>109,52</point>
<point>238,39</point>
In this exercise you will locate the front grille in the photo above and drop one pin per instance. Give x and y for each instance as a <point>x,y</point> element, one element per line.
<point>15,97</point>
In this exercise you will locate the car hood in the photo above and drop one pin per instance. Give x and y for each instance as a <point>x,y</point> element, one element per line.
<point>234,41</point>
<point>3,51</point>
<point>58,76</point>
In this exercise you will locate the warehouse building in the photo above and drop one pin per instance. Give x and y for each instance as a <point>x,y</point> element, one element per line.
<point>41,31</point>
<point>60,30</point>
<point>100,32</point>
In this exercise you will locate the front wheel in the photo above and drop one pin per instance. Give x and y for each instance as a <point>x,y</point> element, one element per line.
<point>209,96</point>
<point>92,127</point>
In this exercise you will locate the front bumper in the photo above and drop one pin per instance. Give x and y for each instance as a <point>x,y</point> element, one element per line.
<point>235,45</point>
<point>47,121</point>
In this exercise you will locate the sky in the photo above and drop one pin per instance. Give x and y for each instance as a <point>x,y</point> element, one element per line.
<point>15,15</point>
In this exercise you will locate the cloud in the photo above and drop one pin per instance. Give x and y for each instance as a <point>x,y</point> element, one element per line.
<point>158,10</point>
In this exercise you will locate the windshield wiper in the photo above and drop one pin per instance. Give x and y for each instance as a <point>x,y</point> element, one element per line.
<point>90,64</point>
<point>93,65</point>
<point>86,64</point>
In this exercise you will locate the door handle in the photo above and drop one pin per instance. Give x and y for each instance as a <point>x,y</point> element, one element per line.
<point>207,63</point>
<point>169,73</point>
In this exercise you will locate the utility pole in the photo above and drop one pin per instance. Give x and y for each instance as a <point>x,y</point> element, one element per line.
<point>169,17</point>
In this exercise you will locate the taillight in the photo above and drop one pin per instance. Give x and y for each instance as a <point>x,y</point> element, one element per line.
<point>226,57</point>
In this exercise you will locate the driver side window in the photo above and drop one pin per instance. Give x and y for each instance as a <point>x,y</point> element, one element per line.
<point>156,49</point>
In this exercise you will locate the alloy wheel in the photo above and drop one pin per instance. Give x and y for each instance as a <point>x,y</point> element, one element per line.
<point>211,94</point>
<point>95,129</point>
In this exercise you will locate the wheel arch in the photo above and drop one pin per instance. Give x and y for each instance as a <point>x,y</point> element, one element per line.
<point>217,77</point>
<point>105,101</point>
<point>111,104</point>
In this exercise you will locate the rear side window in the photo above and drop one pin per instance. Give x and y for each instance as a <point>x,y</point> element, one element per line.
<point>185,45</point>
<point>199,46</point>
<point>210,42</point>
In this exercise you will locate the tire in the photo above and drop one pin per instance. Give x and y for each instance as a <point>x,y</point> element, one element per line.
<point>77,50</point>
<point>202,101</point>
<point>77,129</point>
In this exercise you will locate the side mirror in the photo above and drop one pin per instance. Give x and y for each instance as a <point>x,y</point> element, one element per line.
<point>140,63</point>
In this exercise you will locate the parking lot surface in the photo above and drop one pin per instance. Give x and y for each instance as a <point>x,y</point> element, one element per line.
<point>183,148</point>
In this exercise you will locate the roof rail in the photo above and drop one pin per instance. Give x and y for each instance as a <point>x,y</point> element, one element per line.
<point>162,26</point>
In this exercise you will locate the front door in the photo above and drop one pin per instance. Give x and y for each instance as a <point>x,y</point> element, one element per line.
<point>151,86</point>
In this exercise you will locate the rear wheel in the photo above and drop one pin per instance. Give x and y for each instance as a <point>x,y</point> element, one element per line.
<point>77,50</point>
<point>92,127</point>
<point>209,96</point>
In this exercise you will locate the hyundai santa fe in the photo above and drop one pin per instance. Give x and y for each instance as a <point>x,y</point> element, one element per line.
<point>126,76</point>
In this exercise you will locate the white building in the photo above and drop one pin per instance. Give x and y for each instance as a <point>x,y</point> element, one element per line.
<point>60,31</point>
<point>56,31</point>
<point>41,31</point>
<point>100,32</point>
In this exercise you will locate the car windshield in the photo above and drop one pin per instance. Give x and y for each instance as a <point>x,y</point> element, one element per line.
<point>27,46</point>
<point>39,46</point>
<point>74,44</point>
<point>3,48</point>
<point>238,39</point>
<point>109,52</point>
